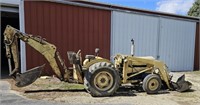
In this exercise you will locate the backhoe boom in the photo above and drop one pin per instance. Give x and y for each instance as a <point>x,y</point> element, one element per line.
<point>48,50</point>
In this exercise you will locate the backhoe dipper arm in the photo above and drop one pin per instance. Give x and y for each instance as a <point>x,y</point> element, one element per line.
<point>45,48</point>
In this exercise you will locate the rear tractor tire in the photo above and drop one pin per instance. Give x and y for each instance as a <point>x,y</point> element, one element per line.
<point>101,79</point>
<point>152,84</point>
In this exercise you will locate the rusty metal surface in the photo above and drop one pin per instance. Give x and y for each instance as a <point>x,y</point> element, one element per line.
<point>70,28</point>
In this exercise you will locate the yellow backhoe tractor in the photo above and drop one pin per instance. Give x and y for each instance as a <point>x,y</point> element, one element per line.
<point>100,76</point>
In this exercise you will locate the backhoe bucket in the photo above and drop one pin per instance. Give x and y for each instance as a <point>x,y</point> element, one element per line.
<point>29,76</point>
<point>181,85</point>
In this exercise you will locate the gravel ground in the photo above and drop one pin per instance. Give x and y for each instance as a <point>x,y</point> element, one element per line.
<point>52,89</point>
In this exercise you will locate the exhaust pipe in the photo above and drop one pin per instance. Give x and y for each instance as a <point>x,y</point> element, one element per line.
<point>132,47</point>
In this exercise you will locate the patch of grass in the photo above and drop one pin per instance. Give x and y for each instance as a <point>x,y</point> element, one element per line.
<point>61,85</point>
<point>71,86</point>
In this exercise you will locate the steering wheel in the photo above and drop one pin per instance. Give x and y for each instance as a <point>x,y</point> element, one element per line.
<point>78,56</point>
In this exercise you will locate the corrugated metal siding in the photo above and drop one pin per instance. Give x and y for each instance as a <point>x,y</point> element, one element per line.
<point>176,46</point>
<point>172,41</point>
<point>143,29</point>
<point>70,28</point>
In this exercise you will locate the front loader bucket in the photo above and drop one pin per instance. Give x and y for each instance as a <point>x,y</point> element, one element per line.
<point>29,76</point>
<point>182,85</point>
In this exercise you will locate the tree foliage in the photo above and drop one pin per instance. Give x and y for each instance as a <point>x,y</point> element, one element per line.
<point>195,9</point>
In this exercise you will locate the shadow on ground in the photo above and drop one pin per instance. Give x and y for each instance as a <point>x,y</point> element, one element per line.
<point>55,90</point>
<point>127,90</point>
<point>132,91</point>
<point>122,91</point>
<point>188,91</point>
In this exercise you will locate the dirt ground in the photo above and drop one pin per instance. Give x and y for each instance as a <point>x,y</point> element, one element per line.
<point>51,89</point>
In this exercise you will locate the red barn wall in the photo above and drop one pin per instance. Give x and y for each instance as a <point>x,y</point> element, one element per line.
<point>69,27</point>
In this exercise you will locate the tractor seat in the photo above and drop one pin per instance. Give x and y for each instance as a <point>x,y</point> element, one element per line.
<point>89,56</point>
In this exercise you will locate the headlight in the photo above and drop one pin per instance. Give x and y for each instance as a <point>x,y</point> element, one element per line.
<point>156,71</point>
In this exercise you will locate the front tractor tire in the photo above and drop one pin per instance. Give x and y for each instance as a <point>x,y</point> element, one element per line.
<point>101,79</point>
<point>152,84</point>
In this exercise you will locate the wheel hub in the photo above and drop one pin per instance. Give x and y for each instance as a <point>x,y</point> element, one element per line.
<point>103,81</point>
<point>153,84</point>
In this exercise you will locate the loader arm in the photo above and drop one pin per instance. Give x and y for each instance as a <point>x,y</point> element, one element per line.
<point>48,50</point>
<point>180,85</point>
<point>164,75</point>
<point>152,66</point>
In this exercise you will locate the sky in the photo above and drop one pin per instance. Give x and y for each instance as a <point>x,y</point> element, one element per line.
<point>180,7</point>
